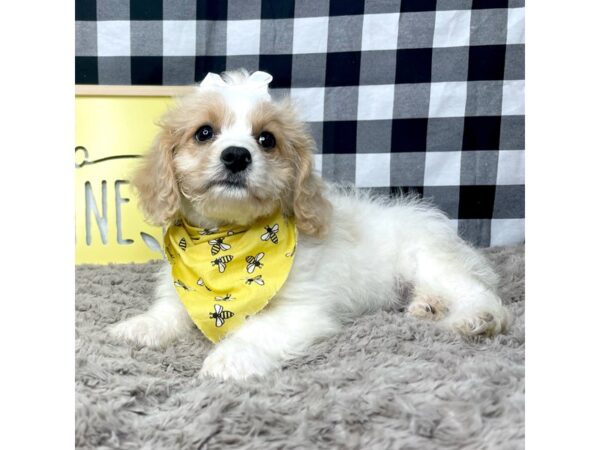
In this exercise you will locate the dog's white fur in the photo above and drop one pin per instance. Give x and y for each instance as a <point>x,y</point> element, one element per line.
<point>371,248</point>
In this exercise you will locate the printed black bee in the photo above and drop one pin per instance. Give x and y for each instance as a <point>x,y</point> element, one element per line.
<point>200,282</point>
<point>182,285</point>
<point>217,245</point>
<point>271,234</point>
<point>224,299</point>
<point>257,279</point>
<point>254,262</point>
<point>290,254</point>
<point>222,262</point>
<point>182,244</point>
<point>220,315</point>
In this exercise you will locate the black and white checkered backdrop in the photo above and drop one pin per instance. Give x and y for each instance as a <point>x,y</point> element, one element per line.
<point>401,95</point>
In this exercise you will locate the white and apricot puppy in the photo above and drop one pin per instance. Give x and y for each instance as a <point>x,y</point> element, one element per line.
<point>229,154</point>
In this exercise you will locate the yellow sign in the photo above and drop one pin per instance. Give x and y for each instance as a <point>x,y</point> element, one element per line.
<point>112,132</point>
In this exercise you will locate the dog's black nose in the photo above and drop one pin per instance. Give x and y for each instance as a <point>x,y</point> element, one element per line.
<point>236,159</point>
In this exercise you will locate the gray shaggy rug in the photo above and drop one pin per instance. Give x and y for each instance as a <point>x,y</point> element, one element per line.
<point>387,382</point>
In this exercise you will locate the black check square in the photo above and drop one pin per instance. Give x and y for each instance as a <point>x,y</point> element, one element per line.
<point>211,10</point>
<point>86,70</point>
<point>397,191</point>
<point>275,9</point>
<point>205,64</point>
<point>145,10</point>
<point>486,62</point>
<point>482,133</point>
<point>343,69</point>
<point>417,5</point>
<point>476,202</point>
<point>409,135</point>
<point>489,4</point>
<point>146,70</point>
<point>339,137</point>
<point>413,65</point>
<point>279,64</point>
<point>346,7</point>
<point>85,10</point>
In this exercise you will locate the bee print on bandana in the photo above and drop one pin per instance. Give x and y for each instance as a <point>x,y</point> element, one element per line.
<point>271,234</point>
<point>257,280</point>
<point>207,231</point>
<point>200,282</point>
<point>182,285</point>
<point>254,262</point>
<point>290,254</point>
<point>220,315</point>
<point>217,245</point>
<point>182,244</point>
<point>221,262</point>
<point>227,298</point>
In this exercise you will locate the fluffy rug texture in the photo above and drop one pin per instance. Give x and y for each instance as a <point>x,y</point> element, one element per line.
<point>386,382</point>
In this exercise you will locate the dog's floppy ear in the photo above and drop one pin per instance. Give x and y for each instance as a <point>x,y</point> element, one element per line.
<point>155,181</point>
<point>311,209</point>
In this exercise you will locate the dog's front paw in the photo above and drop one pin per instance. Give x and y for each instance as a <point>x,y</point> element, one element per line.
<point>141,330</point>
<point>238,360</point>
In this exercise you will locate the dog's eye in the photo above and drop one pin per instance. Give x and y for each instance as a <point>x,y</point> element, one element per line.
<point>204,133</point>
<point>266,140</point>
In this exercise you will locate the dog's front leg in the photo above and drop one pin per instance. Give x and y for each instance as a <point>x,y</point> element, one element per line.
<point>165,321</point>
<point>265,341</point>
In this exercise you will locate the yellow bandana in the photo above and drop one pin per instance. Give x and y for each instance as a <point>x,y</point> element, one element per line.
<point>224,275</point>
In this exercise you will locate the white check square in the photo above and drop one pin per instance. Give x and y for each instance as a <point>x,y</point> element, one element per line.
<point>310,35</point>
<point>442,169</point>
<point>318,162</point>
<point>179,38</point>
<point>515,26</point>
<point>243,37</point>
<point>507,232</point>
<point>310,103</point>
<point>114,38</point>
<point>372,170</point>
<point>452,28</point>
<point>380,31</point>
<point>375,102</point>
<point>511,167</point>
<point>513,97</point>
<point>448,99</point>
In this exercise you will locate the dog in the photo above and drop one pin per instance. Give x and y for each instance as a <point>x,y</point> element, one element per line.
<point>354,251</point>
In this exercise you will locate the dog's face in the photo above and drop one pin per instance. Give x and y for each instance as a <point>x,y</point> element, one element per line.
<point>229,154</point>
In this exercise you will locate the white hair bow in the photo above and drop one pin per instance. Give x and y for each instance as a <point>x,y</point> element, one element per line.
<point>258,81</point>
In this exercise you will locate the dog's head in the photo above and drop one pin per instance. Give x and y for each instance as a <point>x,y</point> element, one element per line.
<point>229,154</point>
